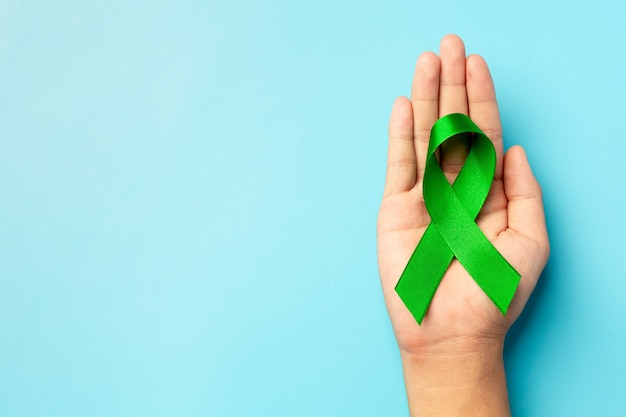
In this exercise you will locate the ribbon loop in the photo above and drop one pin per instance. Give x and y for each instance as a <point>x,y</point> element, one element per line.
<point>453,231</point>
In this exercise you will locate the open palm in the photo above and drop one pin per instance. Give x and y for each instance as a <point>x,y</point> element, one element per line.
<point>512,218</point>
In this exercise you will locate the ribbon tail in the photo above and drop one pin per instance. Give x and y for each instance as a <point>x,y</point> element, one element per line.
<point>423,273</point>
<point>491,271</point>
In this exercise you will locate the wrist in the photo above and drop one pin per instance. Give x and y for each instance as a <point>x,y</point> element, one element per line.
<point>466,381</point>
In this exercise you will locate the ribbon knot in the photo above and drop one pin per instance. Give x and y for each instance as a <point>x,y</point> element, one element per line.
<point>453,231</point>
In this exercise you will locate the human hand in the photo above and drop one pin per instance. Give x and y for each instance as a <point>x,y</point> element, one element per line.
<point>461,319</point>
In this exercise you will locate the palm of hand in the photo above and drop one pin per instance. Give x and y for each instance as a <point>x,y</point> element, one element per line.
<point>512,217</point>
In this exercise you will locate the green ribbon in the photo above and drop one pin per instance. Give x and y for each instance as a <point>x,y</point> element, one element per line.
<point>453,231</point>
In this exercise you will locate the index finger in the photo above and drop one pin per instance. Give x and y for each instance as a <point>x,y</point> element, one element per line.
<point>483,107</point>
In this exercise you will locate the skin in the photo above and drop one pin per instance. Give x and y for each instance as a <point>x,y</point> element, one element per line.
<point>453,362</point>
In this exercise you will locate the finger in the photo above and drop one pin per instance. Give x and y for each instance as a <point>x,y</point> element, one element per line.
<point>525,243</point>
<point>525,206</point>
<point>401,159</point>
<point>453,99</point>
<point>483,108</point>
<point>452,91</point>
<point>425,100</point>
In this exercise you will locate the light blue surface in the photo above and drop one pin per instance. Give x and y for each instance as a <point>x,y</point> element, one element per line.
<point>168,168</point>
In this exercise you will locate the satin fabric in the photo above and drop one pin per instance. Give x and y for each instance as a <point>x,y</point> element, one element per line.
<point>453,231</point>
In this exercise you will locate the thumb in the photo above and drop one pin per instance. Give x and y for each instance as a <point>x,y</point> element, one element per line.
<point>525,205</point>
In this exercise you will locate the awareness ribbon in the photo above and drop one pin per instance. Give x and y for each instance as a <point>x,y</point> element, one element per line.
<point>453,231</point>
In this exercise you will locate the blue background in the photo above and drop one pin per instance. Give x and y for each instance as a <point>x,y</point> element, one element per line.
<point>188,195</point>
